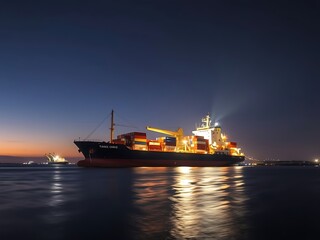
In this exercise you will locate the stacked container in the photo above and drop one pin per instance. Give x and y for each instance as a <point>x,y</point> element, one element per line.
<point>233,148</point>
<point>139,141</point>
<point>196,144</point>
<point>135,140</point>
<point>118,141</point>
<point>170,144</point>
<point>201,144</point>
<point>232,144</point>
<point>154,145</point>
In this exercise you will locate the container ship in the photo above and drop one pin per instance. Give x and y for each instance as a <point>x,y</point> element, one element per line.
<point>206,147</point>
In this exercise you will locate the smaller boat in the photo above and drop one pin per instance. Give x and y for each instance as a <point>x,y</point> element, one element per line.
<point>55,159</point>
<point>29,163</point>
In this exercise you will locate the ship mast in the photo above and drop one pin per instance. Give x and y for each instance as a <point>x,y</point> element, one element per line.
<point>112,127</point>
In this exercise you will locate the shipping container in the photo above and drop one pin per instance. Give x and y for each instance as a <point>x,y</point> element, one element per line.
<point>169,148</point>
<point>139,143</point>
<point>154,145</point>
<point>170,141</point>
<point>154,148</point>
<point>133,138</point>
<point>118,141</point>
<point>139,147</point>
<point>202,145</point>
<point>134,134</point>
<point>140,139</point>
<point>199,137</point>
<point>140,134</point>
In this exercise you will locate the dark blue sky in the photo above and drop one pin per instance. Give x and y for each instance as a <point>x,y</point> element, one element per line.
<point>254,66</point>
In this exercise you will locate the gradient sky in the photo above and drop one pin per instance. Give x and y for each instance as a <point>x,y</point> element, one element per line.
<point>254,65</point>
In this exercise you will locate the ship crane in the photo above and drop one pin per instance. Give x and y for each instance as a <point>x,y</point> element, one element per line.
<point>177,134</point>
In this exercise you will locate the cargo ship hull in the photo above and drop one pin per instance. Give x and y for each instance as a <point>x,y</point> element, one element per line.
<point>102,154</point>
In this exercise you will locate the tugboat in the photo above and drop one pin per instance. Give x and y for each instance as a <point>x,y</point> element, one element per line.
<point>207,147</point>
<point>55,159</point>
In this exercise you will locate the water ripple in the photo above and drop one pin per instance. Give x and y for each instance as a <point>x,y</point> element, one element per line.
<point>189,203</point>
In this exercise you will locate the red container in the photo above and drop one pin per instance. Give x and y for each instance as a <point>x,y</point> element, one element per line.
<point>118,141</point>
<point>154,148</point>
<point>154,145</point>
<point>199,137</point>
<point>138,134</point>
<point>203,144</point>
<point>201,147</point>
<point>170,144</point>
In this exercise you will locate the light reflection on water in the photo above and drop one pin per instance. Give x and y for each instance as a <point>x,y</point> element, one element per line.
<point>34,199</point>
<point>57,197</point>
<point>204,202</point>
<point>151,192</point>
<point>138,203</point>
<point>190,203</point>
<point>159,203</point>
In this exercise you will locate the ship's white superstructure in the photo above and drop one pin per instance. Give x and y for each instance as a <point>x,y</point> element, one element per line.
<point>217,140</point>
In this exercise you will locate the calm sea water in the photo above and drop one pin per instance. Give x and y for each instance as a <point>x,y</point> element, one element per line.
<point>159,203</point>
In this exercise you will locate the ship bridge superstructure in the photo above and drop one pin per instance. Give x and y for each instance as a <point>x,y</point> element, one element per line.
<point>212,133</point>
<point>217,140</point>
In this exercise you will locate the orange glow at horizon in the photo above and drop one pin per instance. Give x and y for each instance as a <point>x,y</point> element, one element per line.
<point>38,149</point>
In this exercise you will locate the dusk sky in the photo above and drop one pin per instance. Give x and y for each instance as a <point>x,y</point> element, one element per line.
<point>253,65</point>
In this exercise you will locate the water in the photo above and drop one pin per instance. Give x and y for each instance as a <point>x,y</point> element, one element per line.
<point>159,203</point>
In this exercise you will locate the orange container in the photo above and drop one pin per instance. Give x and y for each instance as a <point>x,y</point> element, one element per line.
<point>233,144</point>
